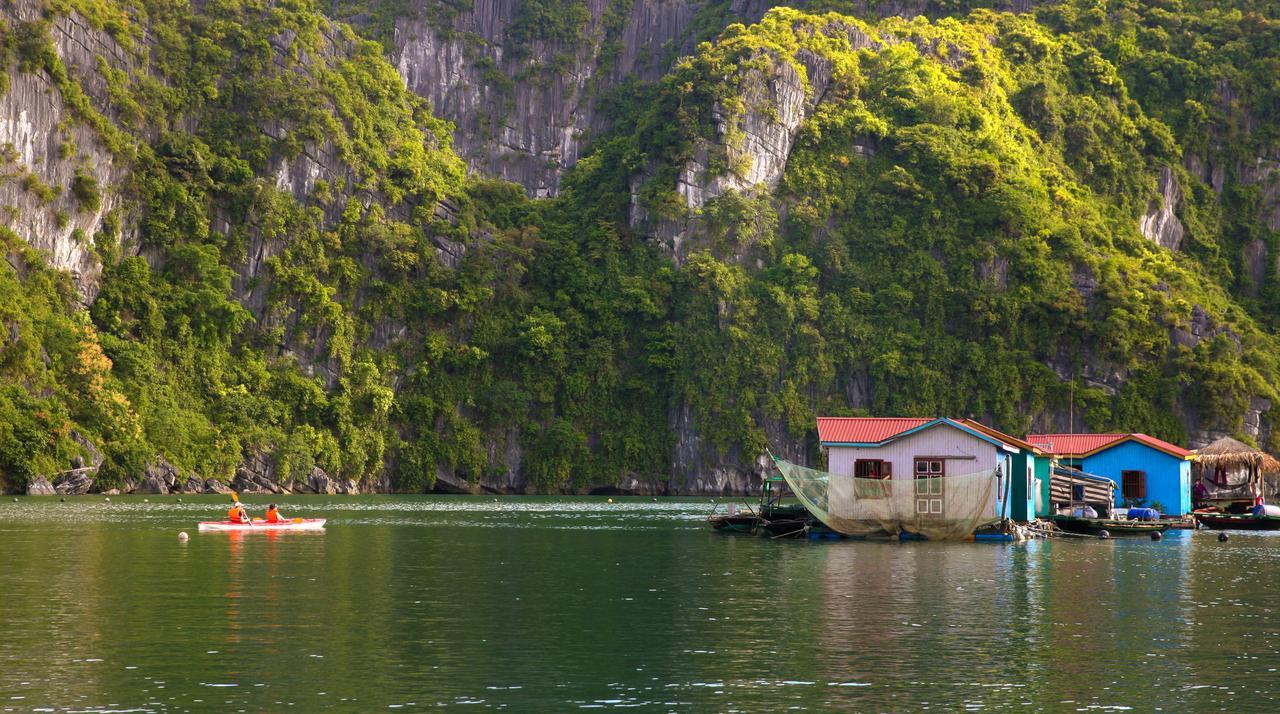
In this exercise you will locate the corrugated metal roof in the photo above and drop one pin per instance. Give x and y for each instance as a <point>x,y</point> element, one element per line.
<point>1072,444</point>
<point>1001,436</point>
<point>863,430</point>
<point>1162,445</point>
<point>1085,444</point>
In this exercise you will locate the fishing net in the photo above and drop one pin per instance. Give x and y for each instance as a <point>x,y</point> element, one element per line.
<point>939,508</point>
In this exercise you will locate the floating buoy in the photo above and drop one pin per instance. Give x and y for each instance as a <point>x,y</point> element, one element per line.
<point>179,500</point>
<point>108,499</point>
<point>61,500</point>
<point>1223,537</point>
<point>1155,535</point>
<point>183,535</point>
<point>15,500</point>
<point>611,500</point>
<point>146,500</point>
<point>1103,534</point>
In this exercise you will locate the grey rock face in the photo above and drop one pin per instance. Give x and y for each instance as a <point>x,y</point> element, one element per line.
<point>529,131</point>
<point>213,485</point>
<point>1254,258</point>
<point>152,484</point>
<point>1265,172</point>
<point>161,472</point>
<point>40,486</point>
<point>41,132</point>
<point>1160,224</point>
<point>319,482</point>
<point>73,483</point>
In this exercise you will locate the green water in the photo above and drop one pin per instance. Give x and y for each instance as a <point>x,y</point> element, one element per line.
<point>553,604</point>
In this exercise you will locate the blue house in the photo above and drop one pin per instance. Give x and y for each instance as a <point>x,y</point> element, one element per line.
<point>1146,471</point>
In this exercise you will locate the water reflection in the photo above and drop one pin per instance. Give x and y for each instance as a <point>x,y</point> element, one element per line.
<point>551,604</point>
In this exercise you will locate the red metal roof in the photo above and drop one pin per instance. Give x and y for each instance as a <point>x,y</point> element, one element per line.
<point>1086,444</point>
<point>863,430</point>
<point>999,435</point>
<point>1164,446</point>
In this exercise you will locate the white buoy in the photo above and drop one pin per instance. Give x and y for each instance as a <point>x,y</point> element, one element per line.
<point>182,535</point>
<point>146,500</point>
<point>108,499</point>
<point>611,500</point>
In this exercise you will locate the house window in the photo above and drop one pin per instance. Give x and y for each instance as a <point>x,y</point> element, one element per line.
<point>871,468</point>
<point>1077,492</point>
<point>1133,484</point>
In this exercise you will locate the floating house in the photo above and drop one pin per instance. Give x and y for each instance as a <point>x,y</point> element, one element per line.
<point>1231,475</point>
<point>1147,472</point>
<point>1029,476</point>
<point>923,452</point>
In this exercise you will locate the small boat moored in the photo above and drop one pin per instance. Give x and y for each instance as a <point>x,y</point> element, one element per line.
<point>1113,526</point>
<point>733,522</point>
<point>1237,521</point>
<point>293,524</point>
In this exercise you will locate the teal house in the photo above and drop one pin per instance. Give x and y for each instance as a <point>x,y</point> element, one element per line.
<point>1029,475</point>
<point>1147,472</point>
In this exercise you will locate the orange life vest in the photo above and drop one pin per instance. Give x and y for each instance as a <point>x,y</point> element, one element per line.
<point>237,514</point>
<point>273,515</point>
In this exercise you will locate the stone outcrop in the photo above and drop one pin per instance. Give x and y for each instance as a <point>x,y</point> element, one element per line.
<point>213,485</point>
<point>153,484</point>
<point>76,482</point>
<point>40,486</point>
<point>1160,223</point>
<point>319,482</point>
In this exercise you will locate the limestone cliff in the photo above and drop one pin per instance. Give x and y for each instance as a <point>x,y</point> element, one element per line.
<point>60,181</point>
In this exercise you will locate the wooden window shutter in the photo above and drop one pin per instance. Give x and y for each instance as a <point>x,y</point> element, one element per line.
<point>1142,484</point>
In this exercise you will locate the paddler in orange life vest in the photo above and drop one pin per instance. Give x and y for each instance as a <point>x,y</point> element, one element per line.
<point>237,513</point>
<point>273,514</point>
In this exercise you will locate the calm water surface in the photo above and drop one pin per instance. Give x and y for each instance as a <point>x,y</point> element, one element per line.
<point>557,604</point>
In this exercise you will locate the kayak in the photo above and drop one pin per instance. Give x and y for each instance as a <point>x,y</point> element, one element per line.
<point>293,524</point>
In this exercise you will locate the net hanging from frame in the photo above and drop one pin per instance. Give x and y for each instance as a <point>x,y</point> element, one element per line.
<point>939,508</point>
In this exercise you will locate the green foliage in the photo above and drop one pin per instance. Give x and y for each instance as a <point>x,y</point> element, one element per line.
<point>85,188</point>
<point>553,21</point>
<point>955,233</point>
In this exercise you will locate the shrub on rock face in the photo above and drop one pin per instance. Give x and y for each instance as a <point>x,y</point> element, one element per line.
<point>85,188</point>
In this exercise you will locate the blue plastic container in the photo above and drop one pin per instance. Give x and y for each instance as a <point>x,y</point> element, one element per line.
<point>1144,514</point>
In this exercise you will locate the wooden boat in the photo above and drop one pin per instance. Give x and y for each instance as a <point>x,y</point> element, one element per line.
<point>1238,522</point>
<point>788,527</point>
<point>733,522</point>
<point>1115,527</point>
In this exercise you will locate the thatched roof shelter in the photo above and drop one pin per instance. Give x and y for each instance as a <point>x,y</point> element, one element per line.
<point>1230,455</point>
